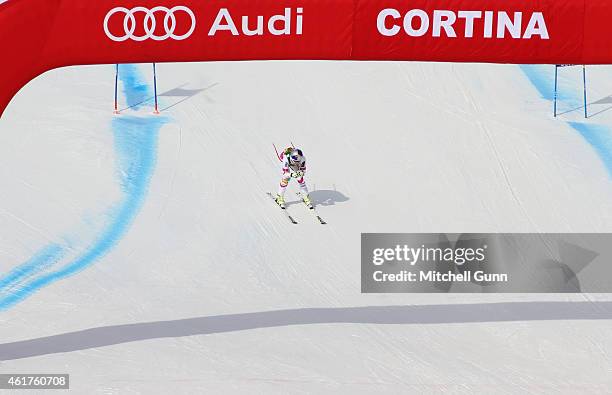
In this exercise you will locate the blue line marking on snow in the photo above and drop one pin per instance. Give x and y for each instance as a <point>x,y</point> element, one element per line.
<point>600,137</point>
<point>543,78</point>
<point>135,89</point>
<point>135,143</point>
<point>45,257</point>
<point>540,79</point>
<point>569,92</point>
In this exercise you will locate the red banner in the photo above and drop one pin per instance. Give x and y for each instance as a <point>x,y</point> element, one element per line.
<point>39,35</point>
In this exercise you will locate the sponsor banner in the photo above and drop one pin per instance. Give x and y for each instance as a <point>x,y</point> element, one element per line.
<point>38,35</point>
<point>194,30</point>
<point>485,263</point>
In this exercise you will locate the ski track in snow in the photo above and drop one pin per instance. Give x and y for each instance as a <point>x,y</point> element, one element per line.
<point>598,136</point>
<point>135,143</point>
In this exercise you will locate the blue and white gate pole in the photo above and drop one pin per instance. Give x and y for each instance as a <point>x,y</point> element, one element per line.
<point>586,115</point>
<point>116,82</point>
<point>555,94</point>
<point>155,88</point>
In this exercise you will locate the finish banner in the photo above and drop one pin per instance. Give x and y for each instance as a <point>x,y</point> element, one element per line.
<point>486,263</point>
<point>39,35</point>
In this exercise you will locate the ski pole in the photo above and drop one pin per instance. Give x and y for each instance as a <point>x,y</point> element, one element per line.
<point>277,155</point>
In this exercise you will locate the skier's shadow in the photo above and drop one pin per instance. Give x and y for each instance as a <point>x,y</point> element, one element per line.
<point>324,197</point>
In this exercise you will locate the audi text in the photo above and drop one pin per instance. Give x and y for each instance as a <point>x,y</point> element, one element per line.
<point>276,25</point>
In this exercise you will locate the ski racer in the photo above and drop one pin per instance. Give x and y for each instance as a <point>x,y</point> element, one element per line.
<point>293,166</point>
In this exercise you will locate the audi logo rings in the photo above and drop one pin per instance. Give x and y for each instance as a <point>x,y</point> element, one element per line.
<point>150,23</point>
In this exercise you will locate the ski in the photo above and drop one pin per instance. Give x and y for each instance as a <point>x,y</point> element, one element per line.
<point>321,221</point>
<point>312,209</point>
<point>284,210</point>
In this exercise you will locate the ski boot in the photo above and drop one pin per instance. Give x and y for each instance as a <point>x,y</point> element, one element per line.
<point>280,201</point>
<point>307,201</point>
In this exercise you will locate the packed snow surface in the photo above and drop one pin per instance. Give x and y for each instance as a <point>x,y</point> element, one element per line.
<point>140,253</point>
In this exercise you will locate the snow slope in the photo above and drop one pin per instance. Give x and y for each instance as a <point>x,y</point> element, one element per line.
<point>139,252</point>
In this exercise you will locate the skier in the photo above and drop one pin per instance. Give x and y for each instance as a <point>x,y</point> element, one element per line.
<point>293,166</point>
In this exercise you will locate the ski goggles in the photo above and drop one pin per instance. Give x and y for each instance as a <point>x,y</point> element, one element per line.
<point>296,155</point>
